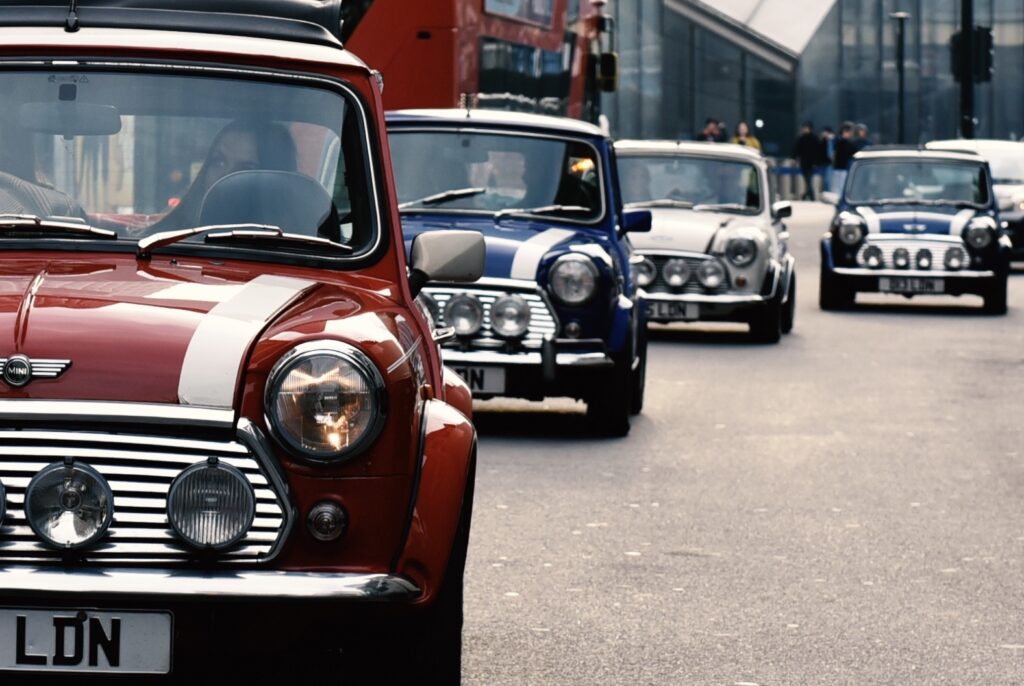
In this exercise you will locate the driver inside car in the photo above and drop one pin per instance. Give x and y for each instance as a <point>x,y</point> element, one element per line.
<point>21,189</point>
<point>240,146</point>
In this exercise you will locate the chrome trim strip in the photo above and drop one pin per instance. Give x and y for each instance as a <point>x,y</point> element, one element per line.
<point>848,271</point>
<point>923,237</point>
<point>491,281</point>
<point>264,585</point>
<point>254,439</point>
<point>116,412</point>
<point>676,253</point>
<point>406,355</point>
<point>488,357</point>
<point>706,299</point>
<point>213,360</point>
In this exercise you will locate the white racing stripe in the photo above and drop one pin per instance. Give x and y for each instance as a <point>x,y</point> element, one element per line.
<point>871,219</point>
<point>209,374</point>
<point>960,221</point>
<point>531,252</point>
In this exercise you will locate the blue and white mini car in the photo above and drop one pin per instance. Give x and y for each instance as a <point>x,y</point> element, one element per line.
<point>557,313</point>
<point>916,222</point>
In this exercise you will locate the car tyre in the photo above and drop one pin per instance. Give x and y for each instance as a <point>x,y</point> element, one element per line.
<point>766,322</point>
<point>832,294</point>
<point>789,309</point>
<point>610,406</point>
<point>995,296</point>
<point>639,375</point>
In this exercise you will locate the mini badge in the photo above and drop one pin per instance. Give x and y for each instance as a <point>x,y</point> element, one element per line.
<point>18,370</point>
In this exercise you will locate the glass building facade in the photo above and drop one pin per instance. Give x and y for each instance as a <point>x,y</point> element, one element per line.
<point>848,70</point>
<point>683,61</point>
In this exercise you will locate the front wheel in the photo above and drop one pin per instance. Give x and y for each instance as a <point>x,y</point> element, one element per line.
<point>789,309</point>
<point>639,376</point>
<point>995,296</point>
<point>832,293</point>
<point>609,407</point>
<point>766,322</point>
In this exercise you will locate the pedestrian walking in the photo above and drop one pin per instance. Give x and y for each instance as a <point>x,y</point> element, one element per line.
<point>828,150</point>
<point>844,152</point>
<point>860,138</point>
<point>745,137</point>
<point>807,153</point>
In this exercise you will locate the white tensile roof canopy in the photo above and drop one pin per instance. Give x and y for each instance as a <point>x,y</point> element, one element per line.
<point>789,23</point>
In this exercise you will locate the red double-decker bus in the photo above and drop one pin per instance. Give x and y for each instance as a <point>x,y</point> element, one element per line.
<point>547,56</point>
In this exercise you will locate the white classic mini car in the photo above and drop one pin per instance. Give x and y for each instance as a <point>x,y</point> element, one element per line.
<point>718,248</point>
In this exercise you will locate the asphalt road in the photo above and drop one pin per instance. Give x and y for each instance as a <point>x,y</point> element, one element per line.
<point>844,508</point>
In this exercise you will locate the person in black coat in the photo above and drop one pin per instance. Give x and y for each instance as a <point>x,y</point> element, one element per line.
<point>844,152</point>
<point>807,153</point>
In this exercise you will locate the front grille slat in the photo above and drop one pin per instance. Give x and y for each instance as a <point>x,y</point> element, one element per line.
<point>543,323</point>
<point>140,470</point>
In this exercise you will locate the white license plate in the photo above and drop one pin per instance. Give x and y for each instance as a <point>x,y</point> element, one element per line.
<point>85,641</point>
<point>673,311</point>
<point>893,284</point>
<point>483,380</point>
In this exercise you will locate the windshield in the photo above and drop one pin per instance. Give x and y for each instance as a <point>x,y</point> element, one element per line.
<point>919,180</point>
<point>144,153</point>
<point>1007,167</point>
<point>694,180</point>
<point>483,172</point>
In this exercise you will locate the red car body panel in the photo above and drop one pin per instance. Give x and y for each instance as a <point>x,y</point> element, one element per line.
<point>118,317</point>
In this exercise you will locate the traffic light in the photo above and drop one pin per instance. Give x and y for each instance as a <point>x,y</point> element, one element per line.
<point>984,52</point>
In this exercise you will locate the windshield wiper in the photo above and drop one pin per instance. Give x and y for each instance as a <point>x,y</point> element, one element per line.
<point>446,196</point>
<point>547,209</point>
<point>663,202</point>
<point>224,232</point>
<point>726,206</point>
<point>30,223</point>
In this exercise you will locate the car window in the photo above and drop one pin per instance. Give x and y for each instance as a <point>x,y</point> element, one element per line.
<point>141,153</point>
<point>1007,166</point>
<point>512,172</point>
<point>697,180</point>
<point>927,180</point>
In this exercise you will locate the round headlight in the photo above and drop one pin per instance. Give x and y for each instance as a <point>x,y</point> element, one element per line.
<point>980,237</point>
<point>573,279</point>
<point>901,258</point>
<point>510,316</point>
<point>711,274</point>
<point>924,259</point>
<point>851,233</point>
<point>211,505</point>
<point>741,251</point>
<point>69,505</point>
<point>645,272</point>
<point>873,257</point>
<point>956,258</point>
<point>465,314</point>
<point>676,273</point>
<point>325,400</point>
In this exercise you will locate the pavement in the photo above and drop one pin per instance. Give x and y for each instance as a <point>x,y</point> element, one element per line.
<point>842,508</point>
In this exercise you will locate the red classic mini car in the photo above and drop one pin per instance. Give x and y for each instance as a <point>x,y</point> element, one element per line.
<point>225,428</point>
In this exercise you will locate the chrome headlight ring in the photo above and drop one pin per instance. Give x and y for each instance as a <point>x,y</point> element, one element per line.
<point>980,234</point>
<point>325,402</point>
<point>676,273</point>
<point>741,251</point>
<point>851,229</point>
<point>573,279</point>
<point>712,274</point>
<point>465,314</point>
<point>645,272</point>
<point>510,316</point>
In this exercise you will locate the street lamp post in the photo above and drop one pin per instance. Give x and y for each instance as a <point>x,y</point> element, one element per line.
<point>901,70</point>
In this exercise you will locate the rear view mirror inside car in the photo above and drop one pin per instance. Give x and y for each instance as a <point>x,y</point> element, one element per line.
<point>69,118</point>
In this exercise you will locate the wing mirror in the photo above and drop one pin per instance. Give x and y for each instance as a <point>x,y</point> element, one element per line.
<point>446,257</point>
<point>637,221</point>
<point>782,210</point>
<point>830,197</point>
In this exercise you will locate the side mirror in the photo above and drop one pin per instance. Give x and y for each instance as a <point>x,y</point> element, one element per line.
<point>608,72</point>
<point>830,197</point>
<point>782,210</point>
<point>637,221</point>
<point>446,256</point>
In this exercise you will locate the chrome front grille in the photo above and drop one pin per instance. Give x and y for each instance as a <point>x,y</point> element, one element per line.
<point>692,287</point>
<point>913,246</point>
<point>139,469</point>
<point>542,320</point>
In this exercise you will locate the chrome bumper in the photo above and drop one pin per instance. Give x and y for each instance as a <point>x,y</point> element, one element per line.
<point>904,273</point>
<point>703,299</point>
<point>490,357</point>
<point>184,585</point>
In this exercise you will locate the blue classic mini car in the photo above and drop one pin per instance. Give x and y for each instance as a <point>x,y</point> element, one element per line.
<point>557,313</point>
<point>916,222</point>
